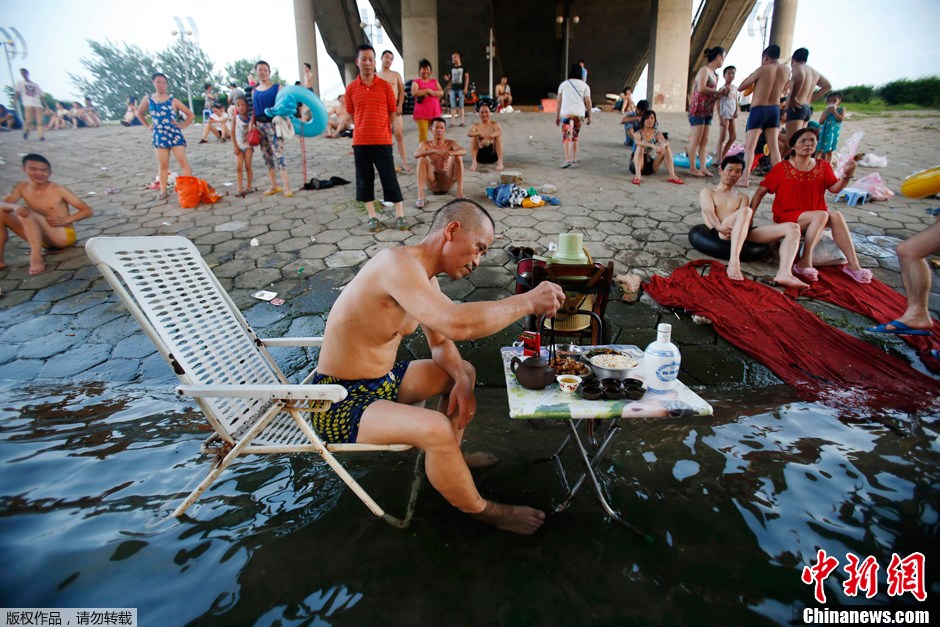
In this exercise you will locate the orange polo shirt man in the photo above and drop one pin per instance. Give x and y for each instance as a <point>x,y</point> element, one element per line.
<point>370,101</point>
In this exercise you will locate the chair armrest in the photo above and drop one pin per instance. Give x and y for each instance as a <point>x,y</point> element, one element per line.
<point>292,341</point>
<point>277,392</point>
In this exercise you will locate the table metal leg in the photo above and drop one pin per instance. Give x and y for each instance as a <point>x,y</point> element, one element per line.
<point>589,462</point>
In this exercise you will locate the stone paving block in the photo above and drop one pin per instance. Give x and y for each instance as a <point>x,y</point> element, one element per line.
<point>493,276</point>
<point>263,315</point>
<point>9,351</point>
<point>301,268</point>
<point>332,236</point>
<point>712,365</point>
<point>63,290</point>
<point>21,370</point>
<point>360,242</point>
<point>346,258</point>
<point>118,370</point>
<point>306,325</point>
<point>257,279</point>
<point>14,314</point>
<point>53,342</point>
<point>47,278</point>
<point>71,364</point>
<point>33,327</point>
<point>115,330</point>
<point>276,260</point>
<point>136,346</point>
<point>456,290</point>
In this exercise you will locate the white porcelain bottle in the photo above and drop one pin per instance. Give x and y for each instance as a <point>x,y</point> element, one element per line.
<point>661,361</point>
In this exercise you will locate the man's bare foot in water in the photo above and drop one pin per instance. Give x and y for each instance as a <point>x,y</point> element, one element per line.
<point>499,166</point>
<point>788,280</point>
<point>479,459</point>
<point>513,518</point>
<point>734,273</point>
<point>37,266</point>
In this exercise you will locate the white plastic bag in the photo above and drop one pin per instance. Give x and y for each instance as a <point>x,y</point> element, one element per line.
<point>875,186</point>
<point>873,161</point>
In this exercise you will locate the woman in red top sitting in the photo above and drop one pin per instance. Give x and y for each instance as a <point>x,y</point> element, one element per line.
<point>799,185</point>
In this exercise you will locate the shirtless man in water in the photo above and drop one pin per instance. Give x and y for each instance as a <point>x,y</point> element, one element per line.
<point>486,141</point>
<point>803,91</point>
<point>726,210</point>
<point>398,86</point>
<point>365,327</point>
<point>38,211</point>
<point>769,81</point>
<point>440,166</point>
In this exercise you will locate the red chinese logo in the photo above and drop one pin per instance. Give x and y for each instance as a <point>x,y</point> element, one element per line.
<point>907,575</point>
<point>817,574</point>
<point>904,575</point>
<point>861,576</point>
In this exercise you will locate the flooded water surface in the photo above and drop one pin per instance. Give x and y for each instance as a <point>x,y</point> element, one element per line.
<point>737,504</point>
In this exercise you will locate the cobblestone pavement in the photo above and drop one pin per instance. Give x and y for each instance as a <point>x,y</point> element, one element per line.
<point>66,326</point>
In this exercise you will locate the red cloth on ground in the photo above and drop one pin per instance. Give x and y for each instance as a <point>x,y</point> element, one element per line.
<point>822,362</point>
<point>875,300</point>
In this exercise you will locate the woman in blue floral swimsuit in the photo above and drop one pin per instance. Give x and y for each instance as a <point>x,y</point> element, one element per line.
<point>167,131</point>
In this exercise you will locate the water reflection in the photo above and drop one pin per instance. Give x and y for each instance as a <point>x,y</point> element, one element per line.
<point>738,502</point>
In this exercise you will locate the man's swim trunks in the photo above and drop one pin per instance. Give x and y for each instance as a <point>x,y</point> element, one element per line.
<point>340,423</point>
<point>799,112</point>
<point>763,117</point>
<point>70,239</point>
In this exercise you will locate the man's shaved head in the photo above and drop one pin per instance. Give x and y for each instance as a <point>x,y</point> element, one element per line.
<point>470,214</point>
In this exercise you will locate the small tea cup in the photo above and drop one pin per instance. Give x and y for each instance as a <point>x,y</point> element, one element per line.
<point>568,383</point>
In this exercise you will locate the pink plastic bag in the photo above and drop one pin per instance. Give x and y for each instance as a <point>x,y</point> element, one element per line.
<point>875,186</point>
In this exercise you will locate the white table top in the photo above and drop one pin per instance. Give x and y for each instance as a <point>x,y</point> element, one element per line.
<point>552,403</point>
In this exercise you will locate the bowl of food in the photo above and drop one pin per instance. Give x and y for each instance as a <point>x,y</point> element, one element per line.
<point>612,365</point>
<point>570,365</point>
<point>572,351</point>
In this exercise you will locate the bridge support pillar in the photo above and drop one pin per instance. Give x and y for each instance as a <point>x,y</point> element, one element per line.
<point>419,36</point>
<point>306,29</point>
<point>669,54</point>
<point>781,27</point>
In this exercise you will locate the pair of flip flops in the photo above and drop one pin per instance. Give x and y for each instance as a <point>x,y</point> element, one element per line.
<point>898,328</point>
<point>518,253</point>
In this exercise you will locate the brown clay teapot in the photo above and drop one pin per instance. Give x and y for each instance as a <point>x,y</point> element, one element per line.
<point>534,373</point>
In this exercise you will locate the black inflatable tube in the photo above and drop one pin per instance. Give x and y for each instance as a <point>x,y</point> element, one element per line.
<point>706,240</point>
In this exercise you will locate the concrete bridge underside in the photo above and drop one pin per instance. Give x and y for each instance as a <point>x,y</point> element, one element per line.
<point>613,36</point>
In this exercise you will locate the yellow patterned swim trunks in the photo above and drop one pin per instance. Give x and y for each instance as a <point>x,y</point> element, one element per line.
<point>340,423</point>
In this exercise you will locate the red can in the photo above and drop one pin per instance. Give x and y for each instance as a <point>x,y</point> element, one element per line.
<point>531,343</point>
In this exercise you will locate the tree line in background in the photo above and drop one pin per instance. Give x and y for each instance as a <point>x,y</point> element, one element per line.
<point>922,91</point>
<point>117,71</point>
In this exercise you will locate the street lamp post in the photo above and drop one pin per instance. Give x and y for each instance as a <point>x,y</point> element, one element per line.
<point>373,29</point>
<point>185,35</point>
<point>566,21</point>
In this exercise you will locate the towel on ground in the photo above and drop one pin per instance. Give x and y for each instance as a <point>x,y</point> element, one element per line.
<point>822,362</point>
<point>875,300</point>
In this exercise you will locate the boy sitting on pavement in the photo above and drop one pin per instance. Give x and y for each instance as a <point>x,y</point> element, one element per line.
<point>38,211</point>
<point>439,163</point>
<point>726,211</point>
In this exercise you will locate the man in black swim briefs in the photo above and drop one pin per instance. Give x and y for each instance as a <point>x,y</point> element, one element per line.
<point>390,296</point>
<point>768,82</point>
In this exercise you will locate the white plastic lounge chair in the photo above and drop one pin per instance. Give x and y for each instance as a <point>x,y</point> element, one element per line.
<point>166,285</point>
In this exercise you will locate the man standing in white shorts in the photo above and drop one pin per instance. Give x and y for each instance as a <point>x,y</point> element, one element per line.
<point>30,96</point>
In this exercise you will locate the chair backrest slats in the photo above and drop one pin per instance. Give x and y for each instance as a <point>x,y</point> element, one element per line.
<point>177,294</point>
